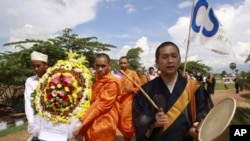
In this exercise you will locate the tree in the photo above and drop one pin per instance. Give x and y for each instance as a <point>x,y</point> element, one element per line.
<point>15,66</point>
<point>232,66</point>
<point>247,59</point>
<point>193,66</point>
<point>236,71</point>
<point>115,64</point>
<point>87,46</point>
<point>223,73</point>
<point>133,56</point>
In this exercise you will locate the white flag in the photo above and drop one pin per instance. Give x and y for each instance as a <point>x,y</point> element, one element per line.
<point>206,29</point>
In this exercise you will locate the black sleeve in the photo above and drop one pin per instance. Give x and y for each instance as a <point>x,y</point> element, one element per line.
<point>143,116</point>
<point>204,103</point>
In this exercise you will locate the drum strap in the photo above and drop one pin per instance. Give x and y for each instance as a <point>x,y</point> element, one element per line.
<point>181,103</point>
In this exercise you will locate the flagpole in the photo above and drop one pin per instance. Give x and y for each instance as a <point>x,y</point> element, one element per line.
<point>188,40</point>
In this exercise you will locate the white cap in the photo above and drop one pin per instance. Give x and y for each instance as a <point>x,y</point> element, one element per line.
<point>39,56</point>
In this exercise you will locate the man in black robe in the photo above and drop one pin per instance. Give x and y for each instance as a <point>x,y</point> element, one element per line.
<point>165,90</point>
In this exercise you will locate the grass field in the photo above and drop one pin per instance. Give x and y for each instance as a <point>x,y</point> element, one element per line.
<point>220,86</point>
<point>13,129</point>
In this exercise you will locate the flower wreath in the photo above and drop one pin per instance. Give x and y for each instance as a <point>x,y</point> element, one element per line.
<point>64,91</point>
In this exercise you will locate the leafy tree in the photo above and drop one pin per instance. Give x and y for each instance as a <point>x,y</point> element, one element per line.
<point>115,64</point>
<point>88,46</point>
<point>223,73</point>
<point>15,66</point>
<point>236,71</point>
<point>246,79</point>
<point>134,57</point>
<point>246,75</point>
<point>247,59</point>
<point>193,66</point>
<point>232,66</point>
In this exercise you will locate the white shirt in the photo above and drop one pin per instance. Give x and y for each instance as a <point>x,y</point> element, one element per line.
<point>152,76</point>
<point>30,86</point>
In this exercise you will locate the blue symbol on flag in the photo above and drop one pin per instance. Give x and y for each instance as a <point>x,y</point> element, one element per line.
<point>211,15</point>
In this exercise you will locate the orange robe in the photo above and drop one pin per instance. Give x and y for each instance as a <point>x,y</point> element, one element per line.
<point>144,79</point>
<point>100,120</point>
<point>125,124</point>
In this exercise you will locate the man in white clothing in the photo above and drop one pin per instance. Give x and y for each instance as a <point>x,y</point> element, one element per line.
<point>39,62</point>
<point>151,73</point>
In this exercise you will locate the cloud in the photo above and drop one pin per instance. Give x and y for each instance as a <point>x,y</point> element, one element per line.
<point>118,52</point>
<point>122,36</point>
<point>147,57</point>
<point>24,19</point>
<point>185,4</point>
<point>28,32</point>
<point>143,44</point>
<point>181,26</point>
<point>44,18</point>
<point>148,8</point>
<point>130,8</point>
<point>235,21</point>
<point>111,0</point>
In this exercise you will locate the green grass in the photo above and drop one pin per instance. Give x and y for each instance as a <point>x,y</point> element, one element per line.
<point>13,129</point>
<point>241,116</point>
<point>246,96</point>
<point>220,86</point>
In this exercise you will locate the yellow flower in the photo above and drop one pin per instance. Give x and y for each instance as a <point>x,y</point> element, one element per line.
<point>59,86</point>
<point>66,89</point>
<point>65,96</point>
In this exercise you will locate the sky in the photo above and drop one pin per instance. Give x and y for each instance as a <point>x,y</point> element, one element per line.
<point>129,24</point>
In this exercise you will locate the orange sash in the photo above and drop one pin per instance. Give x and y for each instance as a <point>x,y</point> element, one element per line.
<point>182,102</point>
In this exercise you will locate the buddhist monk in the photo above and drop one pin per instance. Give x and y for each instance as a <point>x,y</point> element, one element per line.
<point>100,120</point>
<point>129,89</point>
<point>143,77</point>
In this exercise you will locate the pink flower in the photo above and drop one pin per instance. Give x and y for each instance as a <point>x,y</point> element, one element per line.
<point>54,93</point>
<point>68,79</point>
<point>55,79</point>
<point>60,100</point>
<point>62,93</point>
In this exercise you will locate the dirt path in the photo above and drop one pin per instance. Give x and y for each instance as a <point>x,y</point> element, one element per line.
<point>219,95</point>
<point>240,101</point>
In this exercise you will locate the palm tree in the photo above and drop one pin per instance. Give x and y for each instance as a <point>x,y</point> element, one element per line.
<point>247,59</point>
<point>232,66</point>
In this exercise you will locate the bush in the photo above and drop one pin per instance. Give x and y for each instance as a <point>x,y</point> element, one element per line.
<point>13,97</point>
<point>242,116</point>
